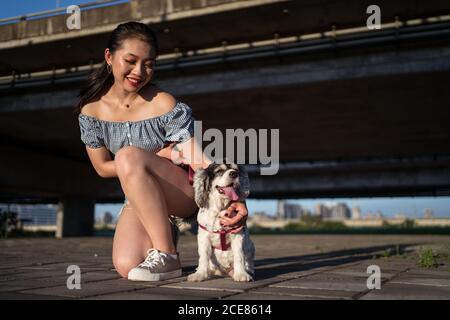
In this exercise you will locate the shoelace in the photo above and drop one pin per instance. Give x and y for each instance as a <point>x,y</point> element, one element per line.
<point>153,258</point>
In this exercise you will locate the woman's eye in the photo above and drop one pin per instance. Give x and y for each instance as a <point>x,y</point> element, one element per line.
<point>129,61</point>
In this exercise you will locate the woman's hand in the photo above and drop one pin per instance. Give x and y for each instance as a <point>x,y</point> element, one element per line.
<point>172,153</point>
<point>235,216</point>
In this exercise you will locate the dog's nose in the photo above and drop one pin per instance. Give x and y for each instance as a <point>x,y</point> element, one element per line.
<point>233,174</point>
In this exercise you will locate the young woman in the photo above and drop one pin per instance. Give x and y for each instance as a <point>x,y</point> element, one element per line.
<point>123,112</point>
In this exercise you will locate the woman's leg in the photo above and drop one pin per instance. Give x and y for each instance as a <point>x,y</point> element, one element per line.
<point>156,189</point>
<point>131,242</point>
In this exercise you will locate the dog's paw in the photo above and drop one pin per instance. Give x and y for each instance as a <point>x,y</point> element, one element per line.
<point>242,277</point>
<point>196,277</point>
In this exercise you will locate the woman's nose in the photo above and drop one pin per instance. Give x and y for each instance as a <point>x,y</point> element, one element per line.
<point>139,70</point>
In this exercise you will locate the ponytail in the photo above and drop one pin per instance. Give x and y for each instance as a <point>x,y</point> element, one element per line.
<point>98,82</point>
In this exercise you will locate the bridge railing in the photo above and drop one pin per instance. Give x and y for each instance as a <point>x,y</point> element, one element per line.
<point>302,44</point>
<point>58,11</point>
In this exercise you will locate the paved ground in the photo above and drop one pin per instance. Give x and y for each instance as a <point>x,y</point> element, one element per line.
<point>287,267</point>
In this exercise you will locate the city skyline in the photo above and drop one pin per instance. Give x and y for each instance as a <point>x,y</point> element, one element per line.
<point>412,207</point>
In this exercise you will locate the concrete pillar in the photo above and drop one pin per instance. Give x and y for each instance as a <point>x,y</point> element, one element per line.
<point>75,217</point>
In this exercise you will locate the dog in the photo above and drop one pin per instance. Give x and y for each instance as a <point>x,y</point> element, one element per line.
<point>222,251</point>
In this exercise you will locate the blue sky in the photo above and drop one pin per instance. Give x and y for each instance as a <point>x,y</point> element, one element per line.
<point>19,7</point>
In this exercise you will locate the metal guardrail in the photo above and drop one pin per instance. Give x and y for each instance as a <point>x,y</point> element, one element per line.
<point>47,13</point>
<point>321,43</point>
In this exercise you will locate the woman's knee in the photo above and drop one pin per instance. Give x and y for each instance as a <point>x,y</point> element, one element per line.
<point>130,160</point>
<point>124,264</point>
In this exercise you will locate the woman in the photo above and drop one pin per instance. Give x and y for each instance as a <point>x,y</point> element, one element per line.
<point>122,112</point>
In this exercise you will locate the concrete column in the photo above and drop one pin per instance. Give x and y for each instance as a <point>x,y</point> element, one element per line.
<point>75,217</point>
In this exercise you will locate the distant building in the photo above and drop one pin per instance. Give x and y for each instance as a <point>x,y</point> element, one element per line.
<point>280,209</point>
<point>288,210</point>
<point>379,215</point>
<point>107,218</point>
<point>293,211</point>
<point>400,215</point>
<point>261,215</point>
<point>340,212</point>
<point>428,214</point>
<point>356,213</point>
<point>34,214</point>
<point>323,211</point>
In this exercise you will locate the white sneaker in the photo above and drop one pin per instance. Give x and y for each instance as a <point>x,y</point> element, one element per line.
<point>156,267</point>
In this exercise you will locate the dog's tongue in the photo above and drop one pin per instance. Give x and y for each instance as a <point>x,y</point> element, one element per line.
<point>230,193</point>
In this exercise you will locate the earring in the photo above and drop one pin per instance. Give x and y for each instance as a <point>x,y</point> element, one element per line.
<point>108,68</point>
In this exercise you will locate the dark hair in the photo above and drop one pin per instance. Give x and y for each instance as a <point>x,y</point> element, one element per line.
<point>100,80</point>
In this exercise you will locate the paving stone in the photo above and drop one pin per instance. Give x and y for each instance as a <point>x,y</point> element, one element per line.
<point>253,296</point>
<point>424,280</point>
<point>360,273</point>
<point>391,265</point>
<point>31,275</point>
<point>299,292</point>
<point>222,284</point>
<point>324,266</point>
<point>431,272</point>
<point>288,273</point>
<point>160,293</point>
<point>22,296</point>
<point>88,289</point>
<point>325,282</point>
<point>398,291</point>
<point>18,287</point>
<point>84,277</point>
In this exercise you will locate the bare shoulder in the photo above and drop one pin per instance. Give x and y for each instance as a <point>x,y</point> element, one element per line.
<point>163,101</point>
<point>90,109</point>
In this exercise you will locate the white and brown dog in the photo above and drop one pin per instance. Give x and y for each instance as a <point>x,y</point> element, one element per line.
<point>221,251</point>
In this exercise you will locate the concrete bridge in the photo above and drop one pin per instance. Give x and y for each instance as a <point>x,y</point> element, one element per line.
<point>360,112</point>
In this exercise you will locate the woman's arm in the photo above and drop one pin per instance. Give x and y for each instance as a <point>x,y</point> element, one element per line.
<point>190,153</point>
<point>102,162</point>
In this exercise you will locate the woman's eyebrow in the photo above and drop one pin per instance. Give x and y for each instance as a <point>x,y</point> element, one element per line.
<point>148,59</point>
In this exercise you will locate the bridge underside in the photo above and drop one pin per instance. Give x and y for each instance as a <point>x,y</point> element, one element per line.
<point>378,98</point>
<point>390,117</point>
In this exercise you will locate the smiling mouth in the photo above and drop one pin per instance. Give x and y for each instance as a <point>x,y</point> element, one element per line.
<point>134,82</point>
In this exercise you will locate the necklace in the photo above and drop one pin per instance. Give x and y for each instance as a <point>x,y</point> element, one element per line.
<point>128,104</point>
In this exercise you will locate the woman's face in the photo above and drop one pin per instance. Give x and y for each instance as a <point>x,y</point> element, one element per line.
<point>132,64</point>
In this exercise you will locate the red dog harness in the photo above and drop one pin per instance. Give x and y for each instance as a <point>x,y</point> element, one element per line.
<point>191,176</point>
<point>224,246</point>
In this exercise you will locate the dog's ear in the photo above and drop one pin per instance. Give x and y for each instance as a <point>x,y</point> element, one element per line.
<point>202,184</point>
<point>244,183</point>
